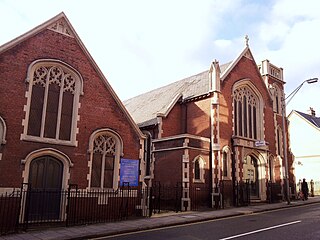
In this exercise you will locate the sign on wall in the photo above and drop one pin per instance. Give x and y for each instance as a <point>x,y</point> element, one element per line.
<point>129,172</point>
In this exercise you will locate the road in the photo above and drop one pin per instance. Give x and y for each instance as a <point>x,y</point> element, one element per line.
<point>286,224</point>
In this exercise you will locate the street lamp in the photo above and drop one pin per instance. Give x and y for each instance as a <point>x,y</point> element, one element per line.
<point>284,104</point>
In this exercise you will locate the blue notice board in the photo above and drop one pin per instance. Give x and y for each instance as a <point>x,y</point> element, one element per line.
<point>129,172</point>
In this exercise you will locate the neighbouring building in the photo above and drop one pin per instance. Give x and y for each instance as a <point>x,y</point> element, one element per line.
<point>212,131</point>
<point>304,132</point>
<point>61,123</point>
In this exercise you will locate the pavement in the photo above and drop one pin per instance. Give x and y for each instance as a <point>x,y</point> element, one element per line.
<point>156,221</point>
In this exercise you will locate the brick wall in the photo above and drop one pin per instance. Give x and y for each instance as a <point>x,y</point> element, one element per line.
<point>98,108</point>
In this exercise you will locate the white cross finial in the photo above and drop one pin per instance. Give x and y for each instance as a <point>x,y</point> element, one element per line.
<point>247,40</point>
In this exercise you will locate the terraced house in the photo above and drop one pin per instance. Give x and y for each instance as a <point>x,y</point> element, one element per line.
<point>215,130</point>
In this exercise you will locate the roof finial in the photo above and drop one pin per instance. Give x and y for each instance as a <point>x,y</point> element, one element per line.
<point>247,40</point>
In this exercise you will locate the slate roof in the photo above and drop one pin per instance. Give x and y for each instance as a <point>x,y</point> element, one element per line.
<point>144,108</point>
<point>312,119</point>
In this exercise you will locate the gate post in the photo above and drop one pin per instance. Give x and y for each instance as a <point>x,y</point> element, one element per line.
<point>68,213</point>
<point>26,205</point>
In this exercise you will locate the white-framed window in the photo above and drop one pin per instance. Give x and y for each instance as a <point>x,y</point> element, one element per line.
<point>226,162</point>
<point>3,131</point>
<point>277,99</point>
<point>247,111</point>
<point>198,170</point>
<point>147,152</point>
<point>52,102</point>
<point>105,148</point>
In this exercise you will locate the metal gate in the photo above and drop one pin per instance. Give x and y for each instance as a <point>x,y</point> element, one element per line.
<point>165,198</point>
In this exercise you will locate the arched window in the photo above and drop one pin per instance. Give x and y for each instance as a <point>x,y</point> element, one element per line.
<point>3,130</point>
<point>53,102</point>
<point>277,99</point>
<point>226,162</point>
<point>198,169</point>
<point>147,152</point>
<point>105,148</point>
<point>247,112</point>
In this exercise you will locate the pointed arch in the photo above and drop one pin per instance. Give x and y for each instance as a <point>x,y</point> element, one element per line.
<point>277,99</point>
<point>53,95</point>
<point>247,110</point>
<point>226,163</point>
<point>105,148</point>
<point>3,131</point>
<point>198,169</point>
<point>66,161</point>
<point>254,171</point>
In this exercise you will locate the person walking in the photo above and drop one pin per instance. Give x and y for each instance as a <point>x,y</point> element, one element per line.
<point>305,189</point>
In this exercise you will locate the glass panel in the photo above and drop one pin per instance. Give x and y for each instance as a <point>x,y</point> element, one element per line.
<point>255,130</point>
<point>66,116</point>
<point>52,111</point>
<point>96,170</point>
<point>108,171</point>
<point>245,120</point>
<point>240,119</point>
<point>35,114</point>
<point>235,117</point>
<point>225,164</point>
<point>197,170</point>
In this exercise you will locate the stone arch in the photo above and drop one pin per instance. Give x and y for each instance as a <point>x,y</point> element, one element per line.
<point>251,125</point>
<point>198,169</point>
<point>116,150</point>
<point>3,131</point>
<point>67,164</point>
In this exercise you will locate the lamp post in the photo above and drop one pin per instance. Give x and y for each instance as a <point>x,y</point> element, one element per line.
<point>284,104</point>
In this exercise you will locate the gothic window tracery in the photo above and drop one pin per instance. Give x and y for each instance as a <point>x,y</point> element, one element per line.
<point>246,106</point>
<point>53,101</point>
<point>104,147</point>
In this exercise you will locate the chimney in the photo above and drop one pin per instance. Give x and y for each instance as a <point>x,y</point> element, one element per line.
<point>312,112</point>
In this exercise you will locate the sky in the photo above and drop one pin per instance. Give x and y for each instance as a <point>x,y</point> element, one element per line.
<point>140,45</point>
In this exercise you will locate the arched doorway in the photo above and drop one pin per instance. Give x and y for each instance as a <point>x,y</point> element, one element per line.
<point>45,183</point>
<point>251,175</point>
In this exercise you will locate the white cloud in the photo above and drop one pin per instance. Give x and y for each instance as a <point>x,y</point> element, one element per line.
<point>140,45</point>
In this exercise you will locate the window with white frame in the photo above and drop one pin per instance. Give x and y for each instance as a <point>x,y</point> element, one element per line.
<point>277,99</point>
<point>104,147</point>
<point>147,152</point>
<point>247,112</point>
<point>198,169</point>
<point>53,102</point>
<point>226,162</point>
<point>3,129</point>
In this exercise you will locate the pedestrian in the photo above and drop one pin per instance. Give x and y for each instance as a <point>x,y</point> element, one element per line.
<point>305,189</point>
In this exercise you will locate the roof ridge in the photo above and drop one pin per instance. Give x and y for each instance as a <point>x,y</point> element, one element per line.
<point>167,85</point>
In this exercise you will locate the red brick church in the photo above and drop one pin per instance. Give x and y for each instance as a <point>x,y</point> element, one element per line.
<point>223,125</point>
<point>61,123</point>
